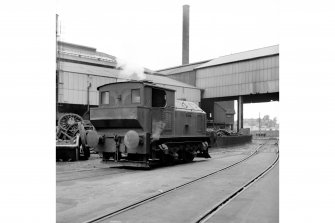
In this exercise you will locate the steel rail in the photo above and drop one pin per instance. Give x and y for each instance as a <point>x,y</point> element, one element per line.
<point>95,169</point>
<point>151,198</point>
<point>206,216</point>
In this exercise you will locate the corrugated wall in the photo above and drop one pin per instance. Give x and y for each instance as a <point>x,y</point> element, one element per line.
<point>185,77</point>
<point>241,78</point>
<point>73,87</point>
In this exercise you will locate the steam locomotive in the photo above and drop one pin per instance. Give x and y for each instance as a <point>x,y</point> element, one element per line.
<point>141,124</point>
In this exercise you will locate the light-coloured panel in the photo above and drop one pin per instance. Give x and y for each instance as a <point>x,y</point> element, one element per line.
<point>253,75</point>
<point>263,75</point>
<point>236,79</point>
<point>72,95</point>
<point>276,85</point>
<point>65,91</point>
<point>277,61</point>
<point>224,80</point>
<point>61,77</point>
<point>269,62</point>
<point>268,75</point>
<point>265,87</point>
<point>75,78</point>
<point>234,68</point>
<point>239,67</point>
<point>261,63</point>
<point>277,73</point>
<point>245,77</point>
<point>71,81</point>
<point>66,80</point>
<point>257,65</point>
<point>220,90</point>
<point>228,80</point>
<point>93,98</point>
<point>60,95</point>
<point>273,59</point>
<point>251,87</point>
<point>83,81</point>
<point>272,75</point>
<point>244,88</point>
<point>229,69</point>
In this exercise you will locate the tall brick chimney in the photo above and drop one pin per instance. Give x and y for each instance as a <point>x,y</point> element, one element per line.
<point>186,33</point>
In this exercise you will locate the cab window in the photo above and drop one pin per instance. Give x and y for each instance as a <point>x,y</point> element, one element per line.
<point>105,98</point>
<point>135,96</point>
<point>158,98</point>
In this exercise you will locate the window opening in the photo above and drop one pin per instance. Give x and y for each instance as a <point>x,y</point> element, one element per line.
<point>105,97</point>
<point>158,98</point>
<point>135,96</point>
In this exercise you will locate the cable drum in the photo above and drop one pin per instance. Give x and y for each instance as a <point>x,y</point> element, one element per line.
<point>68,121</point>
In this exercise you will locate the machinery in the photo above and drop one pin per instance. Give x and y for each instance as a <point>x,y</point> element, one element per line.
<point>141,124</point>
<point>71,138</point>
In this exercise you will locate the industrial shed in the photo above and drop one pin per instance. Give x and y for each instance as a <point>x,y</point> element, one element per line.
<point>248,77</point>
<point>250,72</point>
<point>81,70</point>
<point>184,73</point>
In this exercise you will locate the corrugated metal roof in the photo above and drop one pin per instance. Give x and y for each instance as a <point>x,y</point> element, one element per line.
<point>109,72</point>
<point>168,81</point>
<point>266,51</point>
<point>88,69</point>
<point>133,81</point>
<point>84,53</point>
<point>181,69</point>
<point>76,46</point>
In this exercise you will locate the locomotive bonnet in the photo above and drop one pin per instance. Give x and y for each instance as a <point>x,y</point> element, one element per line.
<point>141,124</point>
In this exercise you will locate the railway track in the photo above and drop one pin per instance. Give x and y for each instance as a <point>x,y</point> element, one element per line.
<point>174,189</point>
<point>212,211</point>
<point>92,173</point>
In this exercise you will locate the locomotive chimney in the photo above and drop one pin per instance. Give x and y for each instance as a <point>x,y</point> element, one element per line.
<point>186,32</point>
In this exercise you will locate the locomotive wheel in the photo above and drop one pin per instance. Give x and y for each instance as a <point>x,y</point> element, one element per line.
<point>106,156</point>
<point>188,157</point>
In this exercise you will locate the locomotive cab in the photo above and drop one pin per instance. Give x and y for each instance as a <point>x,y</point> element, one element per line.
<point>138,124</point>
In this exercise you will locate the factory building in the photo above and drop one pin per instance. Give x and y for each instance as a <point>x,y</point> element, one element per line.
<point>248,77</point>
<point>81,69</point>
<point>224,114</point>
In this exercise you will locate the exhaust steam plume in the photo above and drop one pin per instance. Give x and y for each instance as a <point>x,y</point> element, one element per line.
<point>129,70</point>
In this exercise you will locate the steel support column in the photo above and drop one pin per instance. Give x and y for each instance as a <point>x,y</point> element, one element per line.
<point>239,113</point>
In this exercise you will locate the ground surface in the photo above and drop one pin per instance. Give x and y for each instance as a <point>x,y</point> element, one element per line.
<point>258,204</point>
<point>87,189</point>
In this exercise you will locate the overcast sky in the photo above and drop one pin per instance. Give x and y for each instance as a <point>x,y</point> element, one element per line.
<point>149,32</point>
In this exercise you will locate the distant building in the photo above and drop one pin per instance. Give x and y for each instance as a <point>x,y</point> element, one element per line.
<point>224,114</point>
